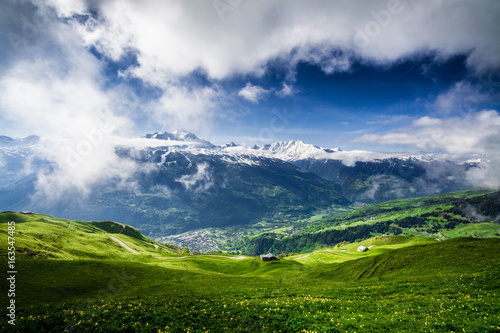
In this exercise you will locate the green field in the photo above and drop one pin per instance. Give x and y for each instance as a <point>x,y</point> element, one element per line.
<point>73,278</point>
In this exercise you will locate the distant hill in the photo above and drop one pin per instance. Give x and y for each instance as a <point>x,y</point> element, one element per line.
<point>459,214</point>
<point>391,178</point>
<point>190,191</point>
<point>183,183</point>
<point>45,237</point>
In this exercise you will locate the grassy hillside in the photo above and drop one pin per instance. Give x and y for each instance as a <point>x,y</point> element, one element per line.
<point>42,237</point>
<point>457,214</point>
<point>77,281</point>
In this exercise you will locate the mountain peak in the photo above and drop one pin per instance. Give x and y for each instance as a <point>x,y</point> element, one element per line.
<point>185,135</point>
<point>178,135</point>
<point>295,150</point>
<point>7,141</point>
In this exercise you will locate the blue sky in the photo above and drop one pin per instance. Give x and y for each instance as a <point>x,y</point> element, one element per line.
<point>332,109</point>
<point>374,75</point>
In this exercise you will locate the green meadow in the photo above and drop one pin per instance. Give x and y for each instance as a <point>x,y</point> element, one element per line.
<point>72,277</point>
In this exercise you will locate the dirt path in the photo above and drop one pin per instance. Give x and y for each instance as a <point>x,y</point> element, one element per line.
<point>307,255</point>
<point>123,245</point>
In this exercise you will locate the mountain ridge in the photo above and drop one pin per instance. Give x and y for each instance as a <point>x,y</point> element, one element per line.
<point>188,183</point>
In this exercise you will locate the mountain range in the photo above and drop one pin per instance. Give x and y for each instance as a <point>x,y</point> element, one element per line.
<point>187,183</point>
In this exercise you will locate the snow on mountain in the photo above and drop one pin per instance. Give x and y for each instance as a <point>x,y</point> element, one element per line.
<point>283,150</point>
<point>290,151</point>
<point>296,150</point>
<point>180,136</point>
<point>6,141</point>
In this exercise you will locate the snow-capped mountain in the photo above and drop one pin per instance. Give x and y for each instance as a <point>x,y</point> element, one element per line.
<point>284,150</point>
<point>363,175</point>
<point>289,151</point>
<point>231,144</point>
<point>179,182</point>
<point>296,150</point>
<point>13,156</point>
<point>183,136</point>
<point>6,141</point>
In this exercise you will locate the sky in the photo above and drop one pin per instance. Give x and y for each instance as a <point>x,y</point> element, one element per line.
<point>378,75</point>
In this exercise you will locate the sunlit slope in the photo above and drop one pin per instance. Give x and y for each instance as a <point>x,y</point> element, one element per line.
<point>401,283</point>
<point>437,260</point>
<point>458,214</point>
<point>42,237</point>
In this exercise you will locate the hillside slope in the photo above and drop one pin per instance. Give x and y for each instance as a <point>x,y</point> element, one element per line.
<point>457,214</point>
<point>180,191</point>
<point>409,284</point>
<point>40,236</point>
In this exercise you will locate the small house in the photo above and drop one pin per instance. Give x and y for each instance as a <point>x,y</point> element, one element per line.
<point>362,248</point>
<point>268,257</point>
<point>26,212</point>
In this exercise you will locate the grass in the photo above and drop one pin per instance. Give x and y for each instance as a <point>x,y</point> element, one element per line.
<point>473,229</point>
<point>43,236</point>
<point>346,252</point>
<point>403,284</point>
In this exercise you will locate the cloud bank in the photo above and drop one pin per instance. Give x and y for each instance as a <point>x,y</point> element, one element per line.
<point>478,134</point>
<point>174,38</point>
<point>172,42</point>
<point>55,89</point>
<point>475,134</point>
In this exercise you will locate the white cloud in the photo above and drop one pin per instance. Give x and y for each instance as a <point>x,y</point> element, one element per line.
<point>183,107</point>
<point>75,174</point>
<point>68,7</point>
<point>252,93</point>
<point>201,180</point>
<point>479,133</point>
<point>175,38</point>
<point>350,158</point>
<point>427,121</point>
<point>486,175</point>
<point>384,119</point>
<point>471,135</point>
<point>462,98</point>
<point>334,65</point>
<point>287,90</point>
<point>55,89</point>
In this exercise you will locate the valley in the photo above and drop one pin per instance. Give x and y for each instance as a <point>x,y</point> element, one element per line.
<point>179,183</point>
<point>183,254</point>
<point>73,277</point>
<point>236,166</point>
<point>439,216</point>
